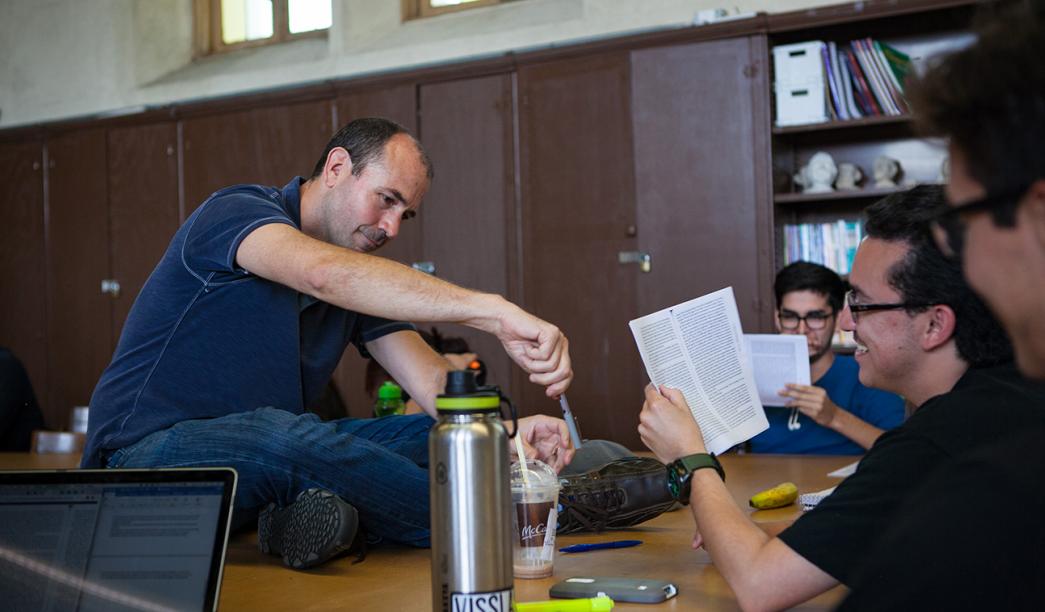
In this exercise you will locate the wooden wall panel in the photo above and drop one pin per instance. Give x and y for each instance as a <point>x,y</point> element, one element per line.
<point>700,174</point>
<point>578,209</point>
<point>143,206</point>
<point>469,228</point>
<point>268,145</point>
<point>79,314</point>
<point>23,288</point>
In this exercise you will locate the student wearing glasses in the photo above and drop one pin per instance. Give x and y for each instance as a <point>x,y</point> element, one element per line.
<point>921,333</point>
<point>836,415</point>
<point>986,551</point>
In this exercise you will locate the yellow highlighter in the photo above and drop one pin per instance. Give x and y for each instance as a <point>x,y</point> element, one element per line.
<point>591,604</point>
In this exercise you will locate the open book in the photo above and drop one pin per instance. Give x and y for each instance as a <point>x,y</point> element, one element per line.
<point>698,348</point>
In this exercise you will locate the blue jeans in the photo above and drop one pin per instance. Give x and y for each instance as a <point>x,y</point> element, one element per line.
<point>380,466</point>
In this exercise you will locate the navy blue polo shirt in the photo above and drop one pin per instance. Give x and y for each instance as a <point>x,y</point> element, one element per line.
<point>206,338</point>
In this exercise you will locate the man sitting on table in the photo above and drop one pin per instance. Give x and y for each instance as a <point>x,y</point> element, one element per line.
<point>972,536</point>
<point>920,332</point>
<point>844,417</point>
<point>242,323</point>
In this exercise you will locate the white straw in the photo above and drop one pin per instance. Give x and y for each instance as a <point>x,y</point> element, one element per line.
<point>522,459</point>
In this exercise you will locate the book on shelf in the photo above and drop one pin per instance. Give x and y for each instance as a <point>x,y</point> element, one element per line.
<point>829,244</point>
<point>862,77</point>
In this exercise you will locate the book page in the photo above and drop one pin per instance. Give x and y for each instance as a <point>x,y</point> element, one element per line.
<point>776,360</point>
<point>697,347</point>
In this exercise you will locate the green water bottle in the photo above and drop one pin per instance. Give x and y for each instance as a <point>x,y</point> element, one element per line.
<point>389,400</point>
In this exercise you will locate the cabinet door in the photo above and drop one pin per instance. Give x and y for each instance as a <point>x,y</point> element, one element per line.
<point>23,288</point>
<point>267,145</point>
<point>79,315</point>
<point>701,155</point>
<point>143,206</point>
<point>469,213</point>
<point>578,213</point>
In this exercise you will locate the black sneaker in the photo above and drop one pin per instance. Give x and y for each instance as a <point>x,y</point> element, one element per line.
<point>316,527</point>
<point>621,493</point>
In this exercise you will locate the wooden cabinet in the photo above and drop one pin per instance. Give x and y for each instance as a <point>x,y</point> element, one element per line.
<point>578,213</point>
<point>469,228</point>
<point>267,145</point>
<point>79,314</point>
<point>144,207</point>
<point>23,261</point>
<point>704,212</point>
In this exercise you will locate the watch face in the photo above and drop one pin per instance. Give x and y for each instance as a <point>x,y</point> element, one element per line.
<point>674,486</point>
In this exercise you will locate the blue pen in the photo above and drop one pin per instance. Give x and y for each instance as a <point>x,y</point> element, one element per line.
<point>570,423</point>
<point>599,546</point>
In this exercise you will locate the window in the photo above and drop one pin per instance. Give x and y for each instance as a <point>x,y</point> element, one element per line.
<point>224,25</point>
<point>412,9</point>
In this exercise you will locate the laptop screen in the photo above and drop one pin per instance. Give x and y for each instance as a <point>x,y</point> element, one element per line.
<point>113,539</point>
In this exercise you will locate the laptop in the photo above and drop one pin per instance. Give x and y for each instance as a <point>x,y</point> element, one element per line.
<point>114,539</point>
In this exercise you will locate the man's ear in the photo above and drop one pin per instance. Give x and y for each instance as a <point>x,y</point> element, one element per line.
<point>1034,211</point>
<point>940,329</point>
<point>339,163</point>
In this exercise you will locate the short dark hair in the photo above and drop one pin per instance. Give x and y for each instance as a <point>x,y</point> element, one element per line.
<point>365,141</point>
<point>926,276</point>
<point>808,276</point>
<point>989,99</point>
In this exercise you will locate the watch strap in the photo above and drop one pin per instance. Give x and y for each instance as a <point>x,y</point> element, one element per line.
<point>692,463</point>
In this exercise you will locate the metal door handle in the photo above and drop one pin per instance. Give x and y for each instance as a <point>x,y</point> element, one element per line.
<point>111,286</point>
<point>643,259</point>
<point>428,267</point>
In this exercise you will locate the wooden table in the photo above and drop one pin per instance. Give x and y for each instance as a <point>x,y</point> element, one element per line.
<point>398,578</point>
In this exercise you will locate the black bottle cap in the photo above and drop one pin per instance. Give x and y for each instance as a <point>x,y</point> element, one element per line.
<point>461,382</point>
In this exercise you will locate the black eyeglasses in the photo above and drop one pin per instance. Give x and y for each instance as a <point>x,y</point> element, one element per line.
<point>855,309</point>
<point>815,320</point>
<point>949,229</point>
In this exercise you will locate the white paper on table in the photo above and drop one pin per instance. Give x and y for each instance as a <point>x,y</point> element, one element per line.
<point>698,348</point>
<point>776,360</point>
<point>845,470</point>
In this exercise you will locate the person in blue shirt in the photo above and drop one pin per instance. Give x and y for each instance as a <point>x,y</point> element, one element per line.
<point>240,326</point>
<point>836,415</point>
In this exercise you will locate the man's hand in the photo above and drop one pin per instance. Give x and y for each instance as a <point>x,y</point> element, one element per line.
<point>546,438</point>
<point>667,427</point>
<point>811,401</point>
<point>538,347</point>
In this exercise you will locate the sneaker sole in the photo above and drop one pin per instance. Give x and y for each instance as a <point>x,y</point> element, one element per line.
<point>316,527</point>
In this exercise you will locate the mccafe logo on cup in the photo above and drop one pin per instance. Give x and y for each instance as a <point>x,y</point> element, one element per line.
<point>532,531</point>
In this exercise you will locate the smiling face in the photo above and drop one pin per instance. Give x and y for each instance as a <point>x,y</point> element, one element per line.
<point>887,341</point>
<point>364,212</point>
<point>803,304</point>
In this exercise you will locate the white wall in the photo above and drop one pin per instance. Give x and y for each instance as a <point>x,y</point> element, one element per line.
<point>68,58</point>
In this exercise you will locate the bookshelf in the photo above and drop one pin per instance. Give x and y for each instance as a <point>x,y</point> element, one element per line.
<point>920,29</point>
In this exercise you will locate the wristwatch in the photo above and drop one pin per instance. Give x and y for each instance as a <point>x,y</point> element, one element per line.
<point>680,470</point>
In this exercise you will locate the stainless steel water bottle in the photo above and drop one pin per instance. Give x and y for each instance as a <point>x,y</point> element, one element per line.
<point>470,495</point>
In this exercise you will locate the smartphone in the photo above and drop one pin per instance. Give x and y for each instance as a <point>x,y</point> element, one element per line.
<point>635,590</point>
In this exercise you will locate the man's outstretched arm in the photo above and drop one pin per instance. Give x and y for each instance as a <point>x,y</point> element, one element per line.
<point>382,287</point>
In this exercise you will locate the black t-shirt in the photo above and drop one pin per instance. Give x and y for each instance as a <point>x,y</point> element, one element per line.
<point>972,538</point>
<point>985,406</point>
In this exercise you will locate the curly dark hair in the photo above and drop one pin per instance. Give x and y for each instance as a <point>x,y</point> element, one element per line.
<point>808,276</point>
<point>989,99</point>
<point>365,141</point>
<point>926,276</point>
